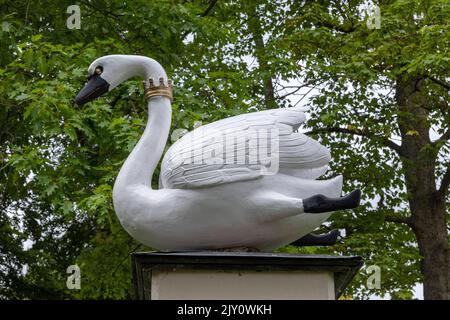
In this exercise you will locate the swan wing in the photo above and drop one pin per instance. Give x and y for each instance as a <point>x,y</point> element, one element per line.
<point>232,150</point>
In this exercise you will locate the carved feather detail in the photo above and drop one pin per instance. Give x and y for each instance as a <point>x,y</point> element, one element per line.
<point>227,151</point>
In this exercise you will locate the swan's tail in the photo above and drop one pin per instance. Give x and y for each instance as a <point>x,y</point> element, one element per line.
<point>331,187</point>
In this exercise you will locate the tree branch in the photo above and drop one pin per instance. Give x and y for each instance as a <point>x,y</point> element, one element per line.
<point>388,143</point>
<point>445,136</point>
<point>290,93</point>
<point>104,12</point>
<point>257,34</point>
<point>125,259</point>
<point>297,88</point>
<point>115,100</point>
<point>440,82</point>
<point>210,7</point>
<point>341,28</point>
<point>445,183</point>
<point>397,219</point>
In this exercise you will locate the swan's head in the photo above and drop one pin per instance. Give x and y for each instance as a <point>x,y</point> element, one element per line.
<point>108,72</point>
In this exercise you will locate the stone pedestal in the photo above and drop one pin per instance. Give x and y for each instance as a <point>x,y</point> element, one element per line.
<point>240,275</point>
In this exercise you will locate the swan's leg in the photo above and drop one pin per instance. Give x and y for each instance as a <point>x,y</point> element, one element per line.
<point>273,206</point>
<point>311,239</point>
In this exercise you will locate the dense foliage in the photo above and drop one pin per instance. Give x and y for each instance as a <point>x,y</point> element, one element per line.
<point>58,161</point>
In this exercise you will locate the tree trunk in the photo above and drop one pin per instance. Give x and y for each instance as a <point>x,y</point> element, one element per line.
<point>427,205</point>
<point>254,26</point>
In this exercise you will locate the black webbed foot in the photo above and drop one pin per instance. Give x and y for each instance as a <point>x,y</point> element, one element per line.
<point>326,239</point>
<point>320,203</point>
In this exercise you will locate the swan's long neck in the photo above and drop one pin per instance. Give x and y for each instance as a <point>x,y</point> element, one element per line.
<point>141,163</point>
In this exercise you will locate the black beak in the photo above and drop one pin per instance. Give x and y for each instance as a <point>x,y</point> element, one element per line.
<point>95,87</point>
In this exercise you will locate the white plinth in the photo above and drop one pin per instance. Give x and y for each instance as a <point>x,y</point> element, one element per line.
<point>237,276</point>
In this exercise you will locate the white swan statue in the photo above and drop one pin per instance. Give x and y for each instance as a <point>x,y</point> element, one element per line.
<point>216,192</point>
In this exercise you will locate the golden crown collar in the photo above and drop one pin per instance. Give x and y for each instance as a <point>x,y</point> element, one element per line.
<point>163,89</point>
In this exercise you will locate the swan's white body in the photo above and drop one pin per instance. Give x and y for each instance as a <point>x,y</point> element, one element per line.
<point>215,206</point>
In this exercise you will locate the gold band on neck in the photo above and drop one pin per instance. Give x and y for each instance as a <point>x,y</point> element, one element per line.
<point>162,89</point>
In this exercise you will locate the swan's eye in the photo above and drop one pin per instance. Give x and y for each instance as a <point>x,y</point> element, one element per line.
<point>99,70</point>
